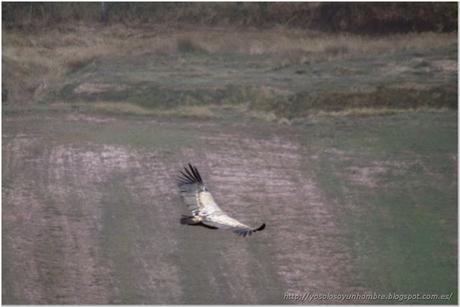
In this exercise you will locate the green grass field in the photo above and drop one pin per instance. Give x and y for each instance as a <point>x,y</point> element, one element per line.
<point>395,180</point>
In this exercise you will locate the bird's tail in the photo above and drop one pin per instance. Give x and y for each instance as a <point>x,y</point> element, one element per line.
<point>188,220</point>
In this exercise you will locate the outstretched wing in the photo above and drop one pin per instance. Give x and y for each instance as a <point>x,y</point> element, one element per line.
<point>202,205</point>
<point>195,194</point>
<point>223,221</point>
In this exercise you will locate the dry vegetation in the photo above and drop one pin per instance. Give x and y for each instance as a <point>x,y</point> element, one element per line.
<point>51,53</point>
<point>73,45</point>
<point>201,112</point>
<point>333,17</point>
<point>45,44</point>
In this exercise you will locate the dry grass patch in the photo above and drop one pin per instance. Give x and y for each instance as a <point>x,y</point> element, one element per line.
<point>86,41</point>
<point>197,112</point>
<point>58,51</point>
<point>376,111</point>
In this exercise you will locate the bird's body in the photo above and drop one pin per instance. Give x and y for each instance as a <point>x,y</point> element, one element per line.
<point>204,209</point>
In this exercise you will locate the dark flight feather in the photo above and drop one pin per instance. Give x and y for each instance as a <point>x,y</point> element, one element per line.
<point>189,176</point>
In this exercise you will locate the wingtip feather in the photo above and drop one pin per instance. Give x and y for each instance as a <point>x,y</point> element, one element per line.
<point>189,175</point>
<point>261,227</point>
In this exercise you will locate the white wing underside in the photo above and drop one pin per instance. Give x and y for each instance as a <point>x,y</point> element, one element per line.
<point>213,215</point>
<point>201,204</point>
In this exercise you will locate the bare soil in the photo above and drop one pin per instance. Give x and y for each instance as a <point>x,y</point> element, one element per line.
<point>94,223</point>
<point>91,211</point>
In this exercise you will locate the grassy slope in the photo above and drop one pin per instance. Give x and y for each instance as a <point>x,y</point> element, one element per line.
<point>277,73</point>
<point>395,179</point>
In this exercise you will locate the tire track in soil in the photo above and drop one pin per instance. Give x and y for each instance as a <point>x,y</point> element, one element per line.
<point>57,238</point>
<point>90,224</point>
<point>133,240</point>
<point>255,178</point>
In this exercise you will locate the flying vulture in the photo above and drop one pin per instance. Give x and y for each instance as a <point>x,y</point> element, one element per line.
<point>205,211</point>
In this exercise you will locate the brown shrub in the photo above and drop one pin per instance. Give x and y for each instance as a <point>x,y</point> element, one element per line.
<point>336,17</point>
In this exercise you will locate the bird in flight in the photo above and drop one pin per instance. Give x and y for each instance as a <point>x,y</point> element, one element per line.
<point>205,212</point>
